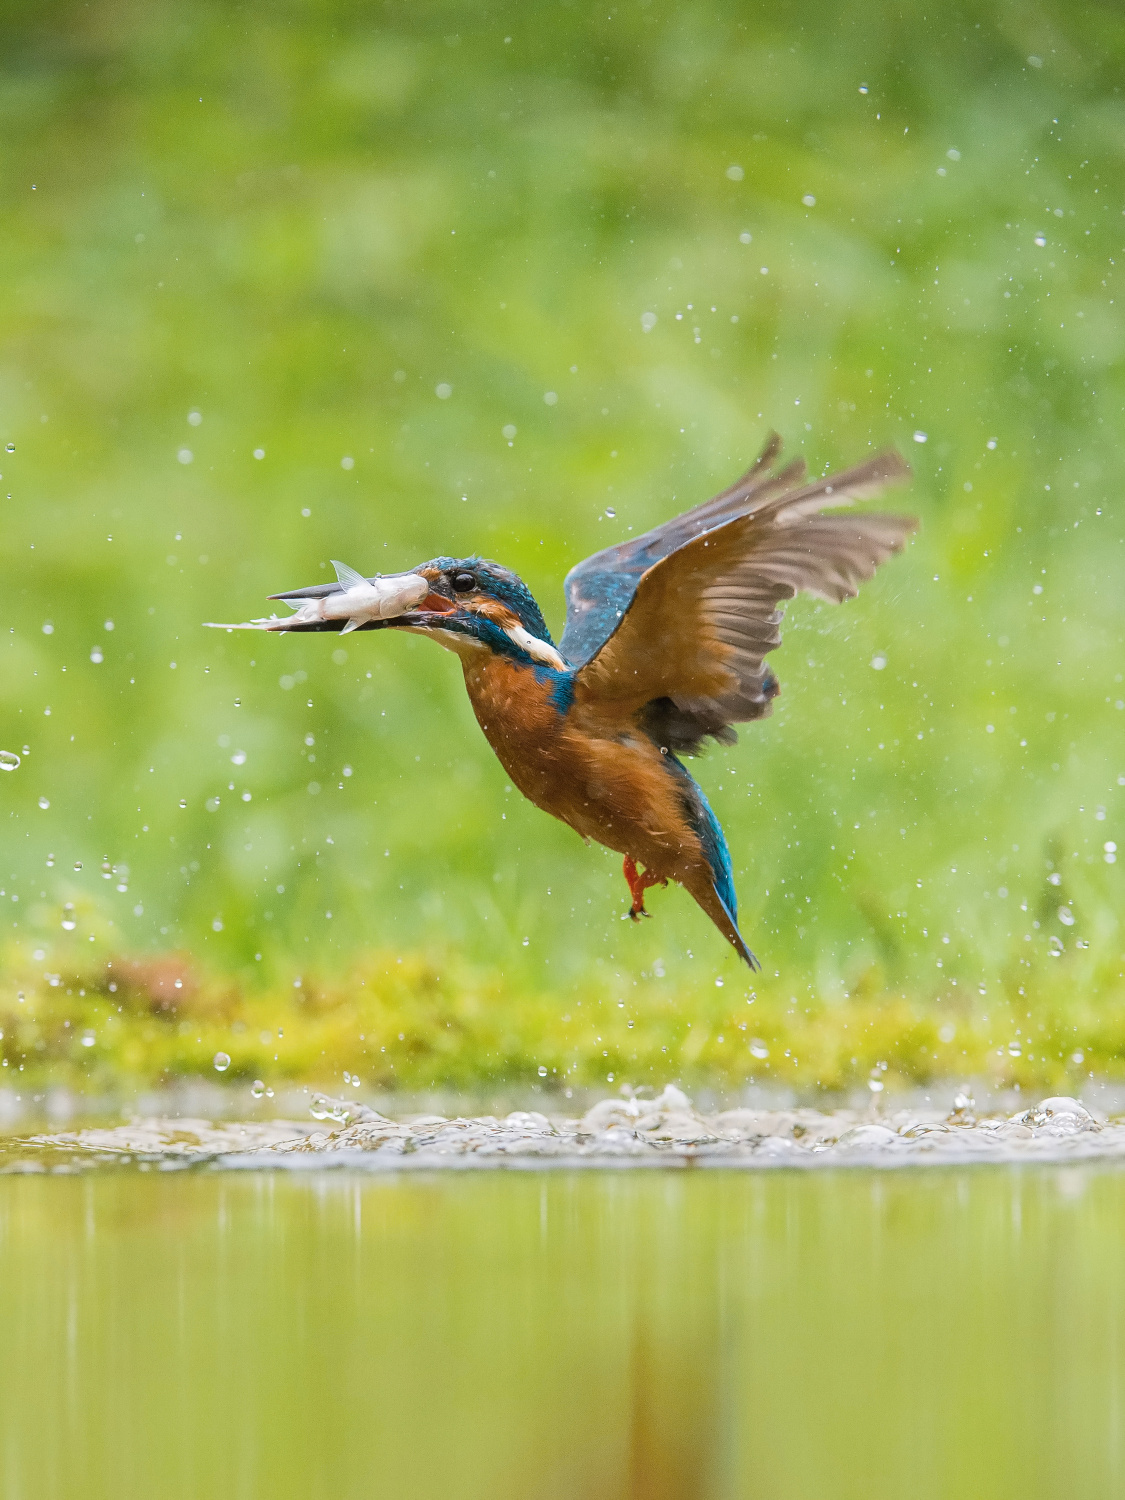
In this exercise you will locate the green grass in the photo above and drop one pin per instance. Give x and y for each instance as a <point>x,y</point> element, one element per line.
<point>296,224</point>
<point>409,1022</point>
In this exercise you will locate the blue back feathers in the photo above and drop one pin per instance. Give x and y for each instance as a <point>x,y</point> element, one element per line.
<point>594,609</point>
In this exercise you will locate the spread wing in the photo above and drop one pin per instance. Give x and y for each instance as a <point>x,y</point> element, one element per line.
<point>675,625</point>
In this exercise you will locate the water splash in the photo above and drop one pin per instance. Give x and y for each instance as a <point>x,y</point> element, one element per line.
<point>625,1131</point>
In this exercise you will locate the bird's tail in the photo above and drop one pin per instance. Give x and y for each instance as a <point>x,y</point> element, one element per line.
<point>716,908</point>
<point>712,884</point>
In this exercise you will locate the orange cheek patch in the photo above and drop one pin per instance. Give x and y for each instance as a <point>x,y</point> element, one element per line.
<point>493,610</point>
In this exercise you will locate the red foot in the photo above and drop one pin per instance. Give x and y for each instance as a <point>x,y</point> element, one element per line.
<point>638,884</point>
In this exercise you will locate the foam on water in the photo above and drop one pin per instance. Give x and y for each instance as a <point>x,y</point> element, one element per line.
<point>619,1132</point>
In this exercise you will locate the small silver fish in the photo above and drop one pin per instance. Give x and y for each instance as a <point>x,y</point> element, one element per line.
<point>354,599</point>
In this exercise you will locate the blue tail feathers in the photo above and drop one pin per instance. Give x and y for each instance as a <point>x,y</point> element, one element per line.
<point>706,825</point>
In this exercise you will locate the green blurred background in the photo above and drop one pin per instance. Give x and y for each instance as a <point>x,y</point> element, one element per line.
<point>247,252</point>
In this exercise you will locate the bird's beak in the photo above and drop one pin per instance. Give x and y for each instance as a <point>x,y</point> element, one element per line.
<point>352,603</point>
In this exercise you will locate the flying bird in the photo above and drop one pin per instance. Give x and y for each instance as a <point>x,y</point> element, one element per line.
<point>664,647</point>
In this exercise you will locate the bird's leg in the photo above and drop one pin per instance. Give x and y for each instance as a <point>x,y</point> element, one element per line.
<point>638,884</point>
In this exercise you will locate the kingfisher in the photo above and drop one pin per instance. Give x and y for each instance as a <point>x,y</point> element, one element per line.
<point>664,648</point>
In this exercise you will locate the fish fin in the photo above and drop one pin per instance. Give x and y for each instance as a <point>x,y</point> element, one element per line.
<point>352,624</point>
<point>347,576</point>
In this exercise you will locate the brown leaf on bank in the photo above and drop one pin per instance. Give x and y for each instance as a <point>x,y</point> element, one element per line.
<point>163,984</point>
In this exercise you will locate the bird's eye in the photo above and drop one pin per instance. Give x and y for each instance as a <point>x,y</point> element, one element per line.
<point>463,582</point>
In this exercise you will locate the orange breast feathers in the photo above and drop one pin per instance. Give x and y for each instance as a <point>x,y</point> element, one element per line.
<point>514,707</point>
<point>611,787</point>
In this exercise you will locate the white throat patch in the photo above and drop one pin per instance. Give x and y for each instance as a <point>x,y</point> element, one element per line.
<point>538,650</point>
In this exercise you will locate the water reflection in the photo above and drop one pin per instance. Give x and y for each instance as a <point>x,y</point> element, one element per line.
<point>658,1335</point>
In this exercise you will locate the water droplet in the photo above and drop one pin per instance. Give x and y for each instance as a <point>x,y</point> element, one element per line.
<point>347,462</point>
<point>875,1085</point>
<point>9,447</point>
<point>758,1048</point>
<point>9,760</point>
<point>69,921</point>
<point>745,238</point>
<point>96,655</point>
<point>1014,1049</point>
<point>217,925</point>
<point>89,1038</point>
<point>48,628</point>
<point>221,1061</point>
<point>259,453</point>
<point>648,321</point>
<point>77,862</point>
<point>443,391</point>
<point>257,1088</point>
<point>921,437</point>
<point>106,870</point>
<point>610,512</point>
<point>238,758</point>
<point>551,398</point>
<point>322,1107</point>
<point>735,172</point>
<point>1066,916</point>
<point>878,662</point>
<point>542,1071</point>
<point>1040,240</point>
<point>195,417</point>
<point>809,201</point>
<point>185,455</point>
<point>508,431</point>
<point>44,803</point>
<point>355,1081</point>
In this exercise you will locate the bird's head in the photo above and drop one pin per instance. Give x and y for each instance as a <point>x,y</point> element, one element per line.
<point>466,603</point>
<point>475,587</point>
<point>473,603</point>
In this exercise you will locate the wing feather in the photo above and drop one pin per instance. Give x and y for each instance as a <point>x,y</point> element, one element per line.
<point>685,640</point>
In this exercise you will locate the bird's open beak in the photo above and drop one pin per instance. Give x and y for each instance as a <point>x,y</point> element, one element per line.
<point>352,603</point>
